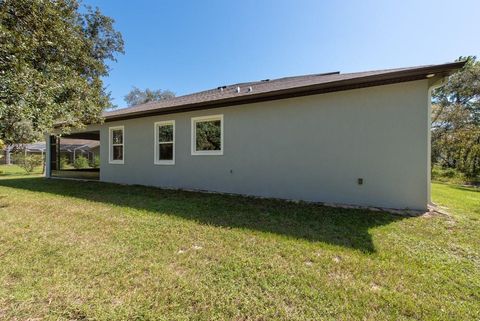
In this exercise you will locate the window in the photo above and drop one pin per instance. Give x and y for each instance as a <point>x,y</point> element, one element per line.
<point>116,139</point>
<point>207,135</point>
<point>165,143</point>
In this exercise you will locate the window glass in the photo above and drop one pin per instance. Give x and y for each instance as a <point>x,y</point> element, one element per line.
<point>208,135</point>
<point>117,152</point>
<point>165,141</point>
<point>165,151</point>
<point>117,136</point>
<point>165,133</point>
<point>116,145</point>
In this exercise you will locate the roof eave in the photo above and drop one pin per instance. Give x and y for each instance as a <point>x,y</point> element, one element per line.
<point>354,83</point>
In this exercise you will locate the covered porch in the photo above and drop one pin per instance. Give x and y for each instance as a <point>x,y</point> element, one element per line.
<point>75,156</point>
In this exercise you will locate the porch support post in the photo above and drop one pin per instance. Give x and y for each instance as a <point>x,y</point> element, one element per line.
<point>47,156</point>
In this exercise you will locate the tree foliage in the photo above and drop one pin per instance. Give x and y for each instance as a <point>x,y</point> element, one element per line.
<point>137,96</point>
<point>456,120</point>
<point>208,135</point>
<point>53,55</point>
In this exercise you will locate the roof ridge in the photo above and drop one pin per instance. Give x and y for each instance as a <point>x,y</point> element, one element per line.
<point>234,85</point>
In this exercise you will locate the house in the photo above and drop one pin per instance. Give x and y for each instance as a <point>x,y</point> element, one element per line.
<point>70,149</point>
<point>37,148</point>
<point>356,138</point>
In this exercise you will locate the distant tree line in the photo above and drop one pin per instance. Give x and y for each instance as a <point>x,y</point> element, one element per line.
<point>137,96</point>
<point>456,121</point>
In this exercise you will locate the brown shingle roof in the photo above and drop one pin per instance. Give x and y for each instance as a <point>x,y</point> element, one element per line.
<point>287,87</point>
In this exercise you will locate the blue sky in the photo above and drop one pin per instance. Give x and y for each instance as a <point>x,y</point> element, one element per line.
<point>188,46</point>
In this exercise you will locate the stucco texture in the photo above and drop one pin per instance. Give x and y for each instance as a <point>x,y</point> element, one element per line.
<point>312,148</point>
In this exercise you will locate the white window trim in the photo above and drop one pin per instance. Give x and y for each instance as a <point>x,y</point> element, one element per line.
<point>110,145</point>
<point>157,161</point>
<point>194,135</point>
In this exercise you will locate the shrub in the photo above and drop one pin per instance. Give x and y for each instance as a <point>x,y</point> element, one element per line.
<point>63,162</point>
<point>450,175</point>
<point>80,162</point>
<point>95,163</point>
<point>27,162</point>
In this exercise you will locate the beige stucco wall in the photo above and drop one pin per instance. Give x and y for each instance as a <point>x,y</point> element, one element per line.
<point>311,148</point>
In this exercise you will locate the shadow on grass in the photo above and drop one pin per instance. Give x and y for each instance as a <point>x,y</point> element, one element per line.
<point>312,222</point>
<point>473,189</point>
<point>460,186</point>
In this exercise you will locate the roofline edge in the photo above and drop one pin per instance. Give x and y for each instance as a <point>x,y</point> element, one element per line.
<point>443,70</point>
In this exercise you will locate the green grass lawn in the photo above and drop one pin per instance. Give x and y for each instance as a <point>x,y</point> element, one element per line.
<point>74,250</point>
<point>14,170</point>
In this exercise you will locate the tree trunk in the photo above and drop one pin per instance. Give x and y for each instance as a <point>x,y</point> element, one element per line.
<point>8,160</point>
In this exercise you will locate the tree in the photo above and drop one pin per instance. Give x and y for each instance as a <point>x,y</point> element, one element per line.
<point>137,96</point>
<point>52,59</point>
<point>456,120</point>
<point>4,151</point>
